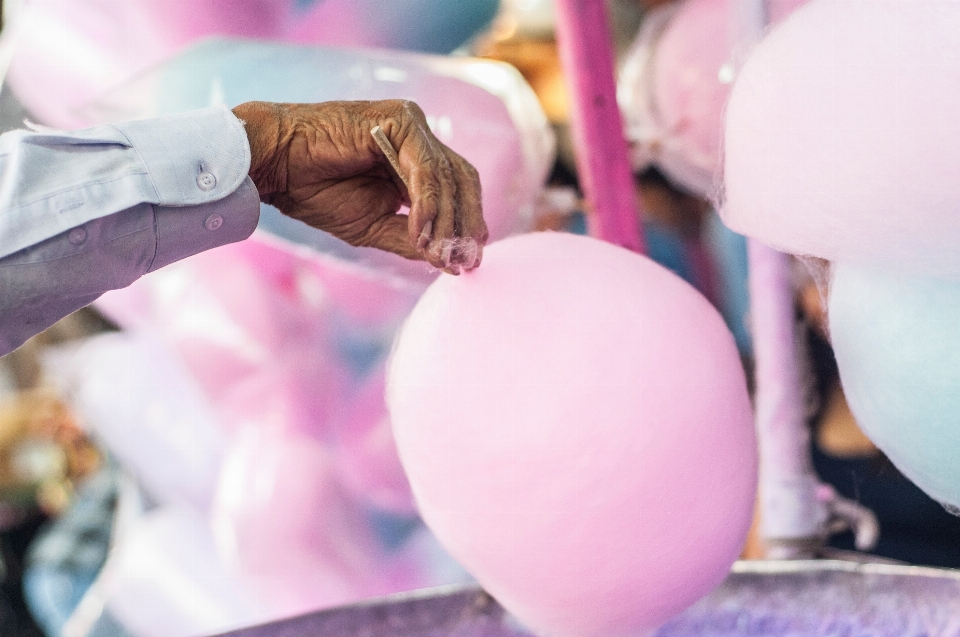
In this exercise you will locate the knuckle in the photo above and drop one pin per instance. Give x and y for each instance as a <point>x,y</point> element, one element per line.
<point>429,196</point>
<point>472,172</point>
<point>412,109</point>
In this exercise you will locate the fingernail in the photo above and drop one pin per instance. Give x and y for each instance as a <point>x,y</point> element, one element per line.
<point>471,250</point>
<point>425,235</point>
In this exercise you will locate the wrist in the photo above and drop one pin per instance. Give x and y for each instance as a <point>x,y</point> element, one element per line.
<point>263,123</point>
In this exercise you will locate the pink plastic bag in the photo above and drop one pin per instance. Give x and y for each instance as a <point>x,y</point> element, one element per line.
<point>286,525</point>
<point>674,86</point>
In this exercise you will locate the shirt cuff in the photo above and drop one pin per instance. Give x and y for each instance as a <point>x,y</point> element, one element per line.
<point>192,158</point>
<point>185,231</point>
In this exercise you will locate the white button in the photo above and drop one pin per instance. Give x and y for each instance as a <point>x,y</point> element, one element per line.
<point>213,222</point>
<point>78,236</point>
<point>206,181</point>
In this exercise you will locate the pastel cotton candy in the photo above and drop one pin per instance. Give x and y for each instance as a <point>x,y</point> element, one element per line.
<point>70,53</point>
<point>140,401</point>
<point>575,426</point>
<point>897,343</point>
<point>162,578</point>
<point>284,523</point>
<point>672,90</point>
<point>842,135</point>
<point>366,453</point>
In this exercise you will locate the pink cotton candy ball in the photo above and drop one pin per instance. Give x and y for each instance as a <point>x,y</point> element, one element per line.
<point>675,84</point>
<point>575,425</point>
<point>843,135</point>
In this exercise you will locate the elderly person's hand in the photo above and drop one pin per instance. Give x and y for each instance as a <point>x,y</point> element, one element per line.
<point>320,164</point>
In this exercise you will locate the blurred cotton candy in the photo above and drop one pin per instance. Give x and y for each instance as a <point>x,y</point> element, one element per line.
<point>434,26</point>
<point>285,347</point>
<point>272,334</point>
<point>575,424</point>
<point>367,453</point>
<point>285,524</point>
<point>140,401</point>
<point>68,53</point>
<point>897,342</point>
<point>163,579</point>
<point>841,135</point>
<point>674,84</point>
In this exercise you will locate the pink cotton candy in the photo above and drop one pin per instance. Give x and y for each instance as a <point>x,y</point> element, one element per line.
<point>843,139</point>
<point>575,425</point>
<point>675,83</point>
<point>367,454</point>
<point>284,523</point>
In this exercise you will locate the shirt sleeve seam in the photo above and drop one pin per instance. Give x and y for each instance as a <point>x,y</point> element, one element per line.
<point>156,236</point>
<point>78,187</point>
<point>143,162</point>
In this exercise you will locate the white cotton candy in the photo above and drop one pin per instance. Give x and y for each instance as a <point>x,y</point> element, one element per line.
<point>843,136</point>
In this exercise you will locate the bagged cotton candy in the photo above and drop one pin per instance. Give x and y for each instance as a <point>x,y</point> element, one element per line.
<point>163,579</point>
<point>674,86</point>
<point>69,53</point>
<point>141,402</point>
<point>366,453</point>
<point>437,26</point>
<point>842,135</point>
<point>286,526</point>
<point>575,426</point>
<point>897,343</point>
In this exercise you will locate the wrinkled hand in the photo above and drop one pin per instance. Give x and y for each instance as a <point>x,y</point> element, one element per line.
<point>319,163</point>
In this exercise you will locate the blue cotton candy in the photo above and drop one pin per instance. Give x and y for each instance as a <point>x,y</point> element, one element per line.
<point>897,343</point>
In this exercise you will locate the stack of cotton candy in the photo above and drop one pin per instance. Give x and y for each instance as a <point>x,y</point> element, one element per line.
<point>254,338</point>
<point>68,54</point>
<point>841,143</point>
<point>367,452</point>
<point>276,354</point>
<point>576,429</point>
<point>434,26</point>
<point>674,86</point>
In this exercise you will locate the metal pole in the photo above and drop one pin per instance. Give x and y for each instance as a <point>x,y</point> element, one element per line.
<point>603,164</point>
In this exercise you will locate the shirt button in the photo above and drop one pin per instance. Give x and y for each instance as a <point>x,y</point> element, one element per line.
<point>78,236</point>
<point>213,222</point>
<point>206,181</point>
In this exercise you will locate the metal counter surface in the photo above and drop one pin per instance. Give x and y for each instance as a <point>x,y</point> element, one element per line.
<point>758,599</point>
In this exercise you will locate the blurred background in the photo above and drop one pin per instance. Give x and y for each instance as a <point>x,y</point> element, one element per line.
<point>199,452</point>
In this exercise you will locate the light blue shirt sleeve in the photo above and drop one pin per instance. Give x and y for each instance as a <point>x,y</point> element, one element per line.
<point>89,211</point>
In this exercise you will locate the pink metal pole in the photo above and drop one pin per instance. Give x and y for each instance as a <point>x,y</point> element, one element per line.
<point>603,164</point>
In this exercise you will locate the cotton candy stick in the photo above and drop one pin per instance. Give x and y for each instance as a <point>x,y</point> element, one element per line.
<point>792,517</point>
<point>603,164</point>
